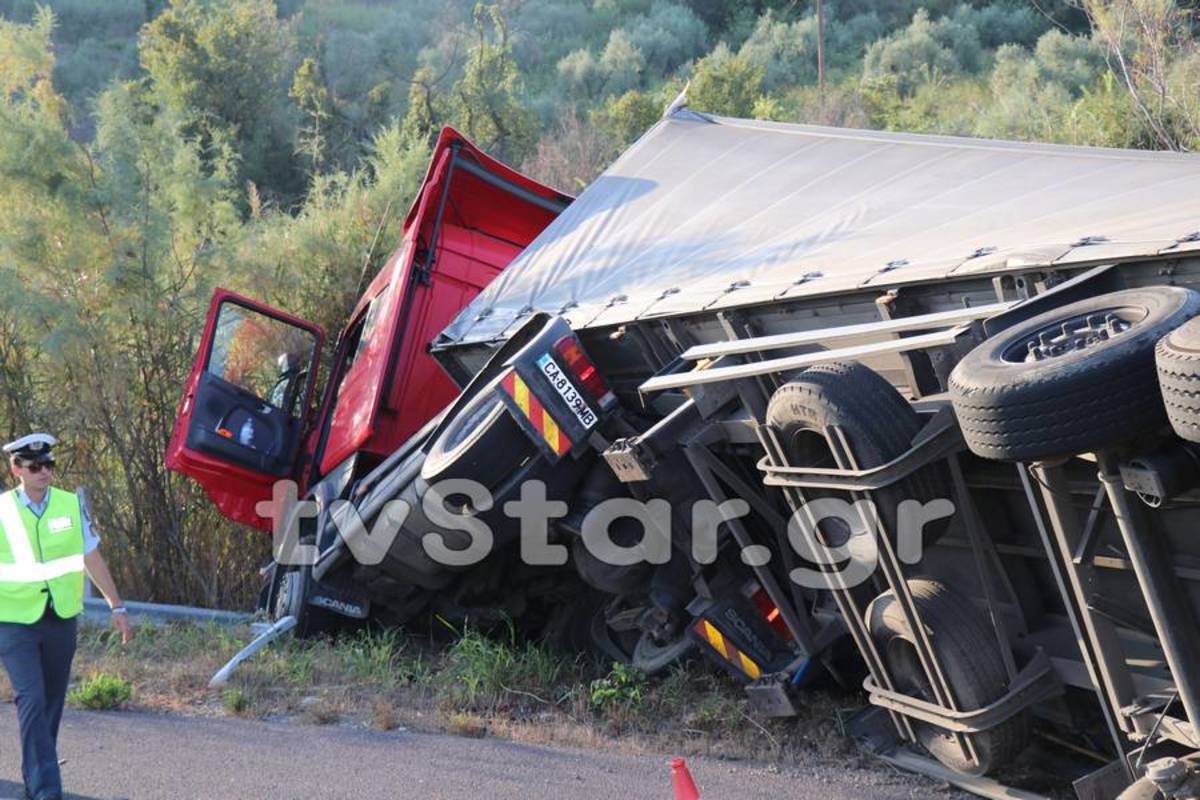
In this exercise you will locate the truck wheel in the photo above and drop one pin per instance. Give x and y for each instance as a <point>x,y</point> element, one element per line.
<point>969,654</point>
<point>293,588</point>
<point>1071,380</point>
<point>652,658</point>
<point>1177,357</point>
<point>879,425</point>
<point>482,443</point>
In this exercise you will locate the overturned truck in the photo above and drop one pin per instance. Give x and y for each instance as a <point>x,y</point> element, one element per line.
<point>913,412</point>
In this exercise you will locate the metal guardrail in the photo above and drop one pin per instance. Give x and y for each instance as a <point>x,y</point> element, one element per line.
<point>95,609</point>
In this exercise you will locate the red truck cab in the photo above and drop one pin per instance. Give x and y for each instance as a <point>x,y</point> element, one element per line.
<point>244,420</point>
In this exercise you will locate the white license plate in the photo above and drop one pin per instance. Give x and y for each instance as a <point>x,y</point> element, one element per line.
<point>562,385</point>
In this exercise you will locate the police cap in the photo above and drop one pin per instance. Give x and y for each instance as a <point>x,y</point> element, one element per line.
<point>34,448</point>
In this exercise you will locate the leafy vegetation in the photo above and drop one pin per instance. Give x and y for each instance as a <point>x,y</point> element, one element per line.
<point>150,151</point>
<point>101,692</point>
<point>622,686</point>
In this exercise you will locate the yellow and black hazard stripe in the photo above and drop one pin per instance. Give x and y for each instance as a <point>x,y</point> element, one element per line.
<point>709,634</point>
<point>516,388</point>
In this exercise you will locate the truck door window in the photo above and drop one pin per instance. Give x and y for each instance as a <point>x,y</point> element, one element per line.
<point>360,333</point>
<point>264,356</point>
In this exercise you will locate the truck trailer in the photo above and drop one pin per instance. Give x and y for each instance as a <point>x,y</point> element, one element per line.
<point>915,413</point>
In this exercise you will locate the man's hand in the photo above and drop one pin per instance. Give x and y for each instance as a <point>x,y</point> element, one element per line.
<point>120,622</point>
<point>93,562</point>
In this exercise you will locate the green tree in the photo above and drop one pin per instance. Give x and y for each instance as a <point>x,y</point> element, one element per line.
<point>1143,41</point>
<point>485,103</point>
<point>312,98</point>
<point>627,117</point>
<point>1074,62</point>
<point>316,261</point>
<point>666,36</point>
<point>223,66</point>
<point>785,51</point>
<point>106,253</point>
<point>926,49</point>
<point>581,74</point>
<point>427,106</point>
<point>725,83</point>
<point>621,63</point>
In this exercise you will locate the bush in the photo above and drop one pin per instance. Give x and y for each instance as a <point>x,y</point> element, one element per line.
<point>101,691</point>
<point>627,117</point>
<point>847,40</point>
<point>581,73</point>
<point>725,84</point>
<point>621,688</point>
<point>621,63</point>
<point>926,49</point>
<point>667,35</point>
<point>1003,23</point>
<point>1074,62</point>
<point>786,52</point>
<point>1022,105</point>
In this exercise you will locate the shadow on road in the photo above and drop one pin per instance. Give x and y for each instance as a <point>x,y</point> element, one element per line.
<point>10,790</point>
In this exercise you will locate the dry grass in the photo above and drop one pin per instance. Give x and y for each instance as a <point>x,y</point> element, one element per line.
<point>462,723</point>
<point>476,686</point>
<point>383,715</point>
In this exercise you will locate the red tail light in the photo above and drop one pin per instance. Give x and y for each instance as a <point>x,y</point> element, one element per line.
<point>577,361</point>
<point>771,613</point>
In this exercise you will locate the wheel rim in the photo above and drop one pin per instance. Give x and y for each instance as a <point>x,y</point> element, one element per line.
<point>1075,334</point>
<point>288,596</point>
<point>650,656</point>
<point>283,595</point>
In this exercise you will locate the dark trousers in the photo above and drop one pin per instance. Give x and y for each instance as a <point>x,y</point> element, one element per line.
<point>37,658</point>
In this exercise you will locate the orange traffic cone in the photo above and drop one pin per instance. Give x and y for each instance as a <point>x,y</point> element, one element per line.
<point>685,787</point>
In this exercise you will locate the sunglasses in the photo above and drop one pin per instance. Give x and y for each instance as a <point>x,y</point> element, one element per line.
<point>34,469</point>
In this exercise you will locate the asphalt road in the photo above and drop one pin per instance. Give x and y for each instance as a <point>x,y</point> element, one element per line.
<point>127,755</point>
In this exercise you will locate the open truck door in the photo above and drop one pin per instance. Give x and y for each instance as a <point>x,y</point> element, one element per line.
<point>241,418</point>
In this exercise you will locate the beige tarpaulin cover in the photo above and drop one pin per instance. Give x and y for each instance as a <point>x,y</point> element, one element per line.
<point>708,212</point>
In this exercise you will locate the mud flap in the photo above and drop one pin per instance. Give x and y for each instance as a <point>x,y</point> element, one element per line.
<point>734,634</point>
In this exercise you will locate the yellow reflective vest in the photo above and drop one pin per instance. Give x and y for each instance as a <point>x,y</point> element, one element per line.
<point>40,557</point>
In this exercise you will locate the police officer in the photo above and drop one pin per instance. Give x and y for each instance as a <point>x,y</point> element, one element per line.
<point>46,545</point>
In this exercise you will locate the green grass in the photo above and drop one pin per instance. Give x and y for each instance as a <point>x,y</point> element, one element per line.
<point>101,691</point>
<point>482,683</point>
<point>373,657</point>
<point>479,671</point>
<point>236,701</point>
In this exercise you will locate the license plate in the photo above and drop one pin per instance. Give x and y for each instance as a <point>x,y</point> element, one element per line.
<point>574,400</point>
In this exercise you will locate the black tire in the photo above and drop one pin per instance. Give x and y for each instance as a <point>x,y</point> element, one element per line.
<point>1081,400</point>
<point>652,658</point>
<point>879,425</point>
<point>1177,358</point>
<point>482,443</point>
<point>969,654</point>
<point>294,588</point>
